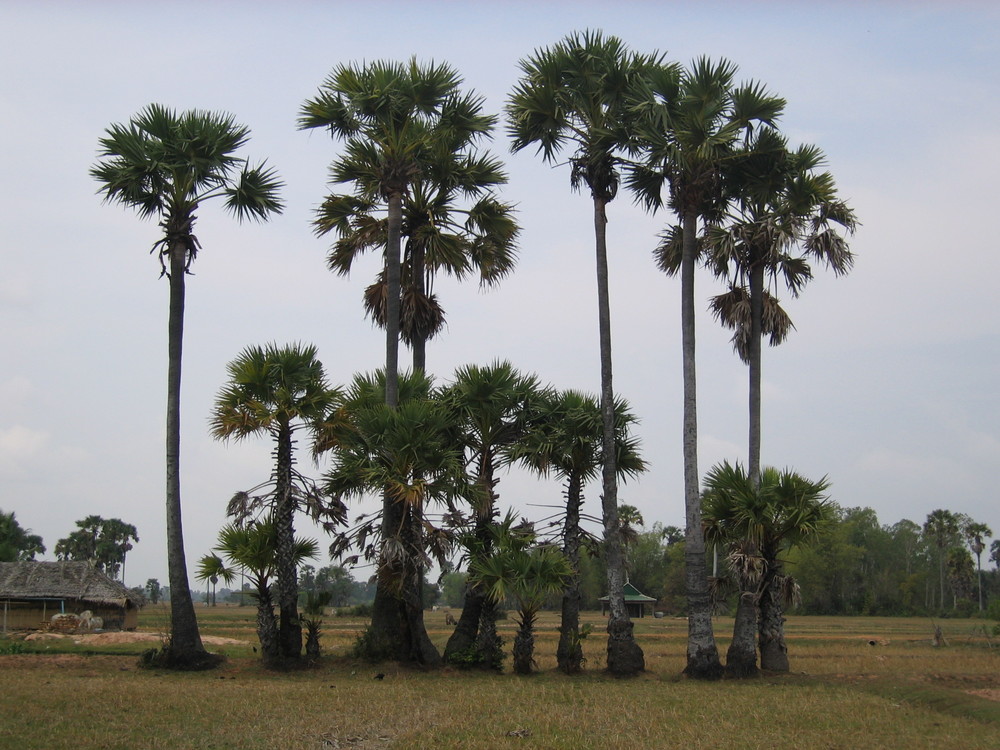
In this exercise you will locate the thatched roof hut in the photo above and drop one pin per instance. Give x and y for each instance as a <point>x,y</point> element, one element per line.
<point>31,592</point>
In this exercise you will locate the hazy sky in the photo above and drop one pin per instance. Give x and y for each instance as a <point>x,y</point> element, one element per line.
<point>887,385</point>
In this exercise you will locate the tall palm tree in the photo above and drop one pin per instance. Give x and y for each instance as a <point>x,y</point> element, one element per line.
<point>164,165</point>
<point>565,440</point>
<point>409,454</point>
<point>694,122</point>
<point>787,213</point>
<point>760,521</point>
<point>212,568</point>
<point>490,407</point>
<point>974,533</point>
<point>578,94</point>
<point>252,547</point>
<point>942,528</point>
<point>277,390</point>
<point>397,120</point>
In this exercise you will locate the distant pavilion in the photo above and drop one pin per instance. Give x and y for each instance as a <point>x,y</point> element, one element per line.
<point>635,601</point>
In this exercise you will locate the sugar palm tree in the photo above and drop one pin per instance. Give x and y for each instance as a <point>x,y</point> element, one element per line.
<point>578,95</point>
<point>974,533</point>
<point>565,440</point>
<point>164,165</point>
<point>490,407</point>
<point>252,547</point>
<point>760,522</point>
<point>527,575</point>
<point>16,542</point>
<point>787,214</point>
<point>695,121</point>
<point>277,390</point>
<point>409,454</point>
<point>397,121</point>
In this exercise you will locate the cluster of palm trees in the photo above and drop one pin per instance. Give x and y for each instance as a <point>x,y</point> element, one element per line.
<point>421,190</point>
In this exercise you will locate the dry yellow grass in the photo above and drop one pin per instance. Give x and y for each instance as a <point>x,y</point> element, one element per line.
<point>843,693</point>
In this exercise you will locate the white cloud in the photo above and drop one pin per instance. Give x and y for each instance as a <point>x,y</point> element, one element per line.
<point>18,446</point>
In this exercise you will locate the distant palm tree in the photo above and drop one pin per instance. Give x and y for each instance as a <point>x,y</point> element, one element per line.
<point>211,568</point>
<point>565,439</point>
<point>941,528</point>
<point>277,390</point>
<point>164,166</point>
<point>695,120</point>
<point>974,534</point>
<point>579,94</point>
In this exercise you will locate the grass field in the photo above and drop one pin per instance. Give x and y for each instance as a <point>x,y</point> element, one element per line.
<point>902,692</point>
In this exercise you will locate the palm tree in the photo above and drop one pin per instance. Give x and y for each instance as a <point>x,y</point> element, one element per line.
<point>490,407</point>
<point>16,542</point>
<point>397,120</point>
<point>565,440</point>
<point>760,522</point>
<point>277,391</point>
<point>942,528</point>
<point>527,575</point>
<point>408,453</point>
<point>787,213</point>
<point>579,94</point>
<point>694,120</point>
<point>253,547</point>
<point>974,533</point>
<point>164,165</point>
<point>211,568</point>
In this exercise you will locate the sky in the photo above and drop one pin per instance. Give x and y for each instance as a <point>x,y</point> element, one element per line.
<point>888,385</point>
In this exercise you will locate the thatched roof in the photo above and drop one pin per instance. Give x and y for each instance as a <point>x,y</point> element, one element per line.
<point>63,580</point>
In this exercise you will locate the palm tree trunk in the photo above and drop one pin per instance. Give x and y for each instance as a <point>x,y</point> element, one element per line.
<point>267,628</point>
<point>524,645</point>
<point>741,658</point>
<point>756,334</point>
<point>625,657</point>
<point>392,278</point>
<point>773,651</point>
<point>702,653</point>
<point>185,640</point>
<point>569,654</point>
<point>289,627</point>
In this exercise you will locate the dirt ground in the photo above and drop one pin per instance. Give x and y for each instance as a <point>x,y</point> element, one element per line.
<point>122,637</point>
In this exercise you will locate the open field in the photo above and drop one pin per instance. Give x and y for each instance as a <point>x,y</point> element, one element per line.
<point>842,693</point>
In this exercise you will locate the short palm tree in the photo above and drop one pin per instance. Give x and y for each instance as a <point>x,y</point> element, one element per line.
<point>578,94</point>
<point>490,406</point>
<point>252,547</point>
<point>277,390</point>
<point>409,454</point>
<point>527,575</point>
<point>760,522</point>
<point>565,440</point>
<point>694,123</point>
<point>165,165</point>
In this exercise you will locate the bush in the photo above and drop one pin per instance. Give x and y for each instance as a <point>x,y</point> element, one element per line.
<point>358,610</point>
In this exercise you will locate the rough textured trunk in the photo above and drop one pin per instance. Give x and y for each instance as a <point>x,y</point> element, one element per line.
<point>702,652</point>
<point>267,627</point>
<point>392,300</point>
<point>489,644</point>
<point>569,654</point>
<point>289,626</point>
<point>524,646</point>
<point>741,658</point>
<point>624,655</point>
<point>185,640</point>
<point>422,650</point>
<point>463,640</point>
<point>773,651</point>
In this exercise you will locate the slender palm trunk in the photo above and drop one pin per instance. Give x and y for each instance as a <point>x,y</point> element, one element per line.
<point>289,627</point>
<point>392,278</point>
<point>756,334</point>
<point>185,640</point>
<point>625,657</point>
<point>569,654</point>
<point>702,653</point>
